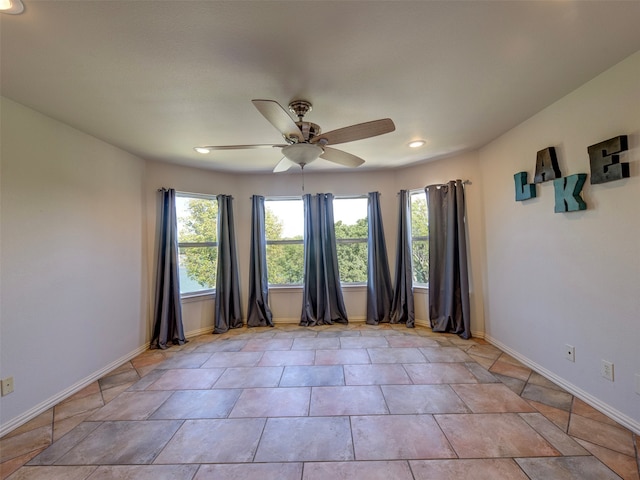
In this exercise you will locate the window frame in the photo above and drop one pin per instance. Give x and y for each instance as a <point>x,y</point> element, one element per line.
<point>347,241</point>
<point>181,245</point>
<point>284,241</point>
<point>420,238</point>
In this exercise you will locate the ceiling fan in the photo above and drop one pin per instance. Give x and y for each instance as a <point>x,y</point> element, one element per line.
<point>305,142</point>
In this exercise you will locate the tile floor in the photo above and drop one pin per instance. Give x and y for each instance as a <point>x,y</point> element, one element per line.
<point>331,402</point>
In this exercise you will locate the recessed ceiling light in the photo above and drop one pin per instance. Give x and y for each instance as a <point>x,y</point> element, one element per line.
<point>202,150</point>
<point>417,143</point>
<point>14,7</point>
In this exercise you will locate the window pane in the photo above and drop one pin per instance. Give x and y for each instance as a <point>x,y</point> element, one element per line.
<point>420,237</point>
<point>284,221</point>
<point>352,262</point>
<point>285,264</point>
<point>197,224</point>
<point>351,223</point>
<point>198,267</point>
<point>197,219</point>
<point>420,257</point>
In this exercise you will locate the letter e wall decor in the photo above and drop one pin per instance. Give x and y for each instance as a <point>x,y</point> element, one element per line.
<point>605,164</point>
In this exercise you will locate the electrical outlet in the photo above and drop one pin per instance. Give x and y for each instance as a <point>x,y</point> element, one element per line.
<point>570,352</point>
<point>7,386</point>
<point>606,369</point>
<point>638,383</point>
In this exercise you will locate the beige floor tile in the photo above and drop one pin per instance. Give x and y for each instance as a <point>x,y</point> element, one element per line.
<point>478,469</point>
<point>213,441</point>
<point>305,439</point>
<point>396,355</point>
<point>42,420</point>
<point>559,417</point>
<point>624,465</point>
<point>272,402</point>
<point>491,398</point>
<point>144,472</point>
<point>422,399</point>
<point>445,354</point>
<point>396,437</point>
<point>10,466</point>
<point>347,400</point>
<point>603,434</point>
<point>562,442</point>
<point>380,374</point>
<point>192,404</point>
<point>566,468</point>
<point>53,473</point>
<point>131,406</point>
<point>510,370</point>
<point>187,379</point>
<point>23,443</point>
<point>437,373</point>
<point>585,410</point>
<point>396,470</point>
<point>493,435</point>
<point>248,471</point>
<point>282,358</point>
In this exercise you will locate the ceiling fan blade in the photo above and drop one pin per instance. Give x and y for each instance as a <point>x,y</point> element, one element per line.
<point>242,147</point>
<point>343,158</point>
<point>279,118</point>
<point>355,132</point>
<point>283,165</point>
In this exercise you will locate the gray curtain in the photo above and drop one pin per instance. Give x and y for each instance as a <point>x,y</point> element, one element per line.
<point>259,313</point>
<point>448,273</point>
<point>379,291</point>
<point>402,309</point>
<point>167,326</point>
<point>228,311</point>
<point>322,301</point>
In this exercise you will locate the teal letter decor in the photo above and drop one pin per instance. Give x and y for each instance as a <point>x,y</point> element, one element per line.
<point>524,191</point>
<point>567,192</point>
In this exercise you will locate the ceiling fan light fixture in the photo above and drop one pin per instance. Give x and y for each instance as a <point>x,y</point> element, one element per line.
<point>302,153</point>
<point>416,143</point>
<point>202,150</point>
<point>13,7</point>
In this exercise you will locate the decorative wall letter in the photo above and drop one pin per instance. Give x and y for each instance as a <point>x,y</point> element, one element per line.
<point>546,166</point>
<point>567,192</point>
<point>524,191</point>
<point>605,164</point>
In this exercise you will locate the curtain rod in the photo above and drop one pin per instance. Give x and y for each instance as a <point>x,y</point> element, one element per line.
<point>464,182</point>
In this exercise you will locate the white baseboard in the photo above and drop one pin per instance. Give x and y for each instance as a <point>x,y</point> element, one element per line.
<point>66,393</point>
<point>586,397</point>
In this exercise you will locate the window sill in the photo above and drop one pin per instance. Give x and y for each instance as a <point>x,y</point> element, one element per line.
<point>421,288</point>
<point>197,296</point>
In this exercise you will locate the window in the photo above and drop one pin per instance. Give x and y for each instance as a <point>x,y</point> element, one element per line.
<point>419,238</point>
<point>350,215</point>
<point>197,242</point>
<point>284,231</point>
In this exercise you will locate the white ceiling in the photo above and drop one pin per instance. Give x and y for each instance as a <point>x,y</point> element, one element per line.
<point>157,78</point>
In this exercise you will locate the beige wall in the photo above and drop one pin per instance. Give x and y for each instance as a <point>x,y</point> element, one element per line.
<point>73,292</point>
<point>572,278</point>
